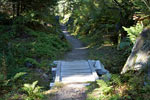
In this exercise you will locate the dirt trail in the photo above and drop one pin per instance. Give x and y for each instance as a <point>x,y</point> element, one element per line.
<point>72,91</point>
<point>69,92</point>
<point>79,51</point>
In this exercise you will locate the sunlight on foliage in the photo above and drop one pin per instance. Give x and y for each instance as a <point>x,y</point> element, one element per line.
<point>134,31</point>
<point>33,91</point>
<point>18,75</point>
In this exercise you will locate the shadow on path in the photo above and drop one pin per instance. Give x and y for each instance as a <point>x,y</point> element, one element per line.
<point>74,91</point>
<point>79,51</point>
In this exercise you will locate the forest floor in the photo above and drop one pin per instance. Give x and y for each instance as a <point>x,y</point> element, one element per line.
<point>74,91</point>
<point>79,50</point>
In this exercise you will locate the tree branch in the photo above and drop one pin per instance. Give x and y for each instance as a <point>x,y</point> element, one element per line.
<point>146,4</point>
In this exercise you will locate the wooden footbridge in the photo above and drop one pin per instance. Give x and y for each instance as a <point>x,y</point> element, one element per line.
<point>75,71</point>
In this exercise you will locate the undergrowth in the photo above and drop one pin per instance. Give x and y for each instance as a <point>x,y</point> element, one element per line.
<point>129,86</point>
<point>28,47</point>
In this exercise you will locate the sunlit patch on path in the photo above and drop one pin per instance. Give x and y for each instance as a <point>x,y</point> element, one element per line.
<point>75,71</point>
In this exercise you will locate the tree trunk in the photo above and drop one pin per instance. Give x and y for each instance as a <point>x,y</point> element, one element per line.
<point>18,8</point>
<point>140,55</point>
<point>13,7</point>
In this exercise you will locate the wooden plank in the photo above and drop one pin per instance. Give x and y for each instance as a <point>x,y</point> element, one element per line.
<point>76,71</point>
<point>75,74</point>
<point>74,67</point>
<point>58,71</point>
<point>78,79</point>
<point>75,63</point>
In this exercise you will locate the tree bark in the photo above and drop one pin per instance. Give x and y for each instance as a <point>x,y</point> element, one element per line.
<point>18,8</point>
<point>13,7</point>
<point>140,55</point>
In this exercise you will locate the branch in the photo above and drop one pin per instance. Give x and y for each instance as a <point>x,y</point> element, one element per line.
<point>118,4</point>
<point>146,4</point>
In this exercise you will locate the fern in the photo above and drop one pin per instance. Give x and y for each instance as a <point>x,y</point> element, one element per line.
<point>18,75</point>
<point>134,31</point>
<point>33,91</point>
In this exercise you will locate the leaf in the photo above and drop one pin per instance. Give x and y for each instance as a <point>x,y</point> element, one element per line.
<point>18,75</point>
<point>34,84</point>
<point>133,32</point>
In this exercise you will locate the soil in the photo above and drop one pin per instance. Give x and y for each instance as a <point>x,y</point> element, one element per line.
<point>79,52</point>
<point>68,92</point>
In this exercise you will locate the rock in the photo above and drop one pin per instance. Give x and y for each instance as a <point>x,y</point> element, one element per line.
<point>45,76</point>
<point>39,70</point>
<point>101,72</point>
<point>140,55</point>
<point>28,64</point>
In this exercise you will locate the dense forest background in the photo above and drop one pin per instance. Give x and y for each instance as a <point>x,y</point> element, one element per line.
<point>31,38</point>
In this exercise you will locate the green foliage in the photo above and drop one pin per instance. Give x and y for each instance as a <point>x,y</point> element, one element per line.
<point>104,91</point>
<point>125,87</point>
<point>29,33</point>
<point>134,31</point>
<point>32,61</point>
<point>33,92</point>
<point>18,75</point>
<point>104,87</point>
<point>116,79</point>
<point>5,84</point>
<point>3,81</point>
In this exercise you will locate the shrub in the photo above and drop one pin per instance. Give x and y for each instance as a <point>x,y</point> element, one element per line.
<point>134,31</point>
<point>33,92</point>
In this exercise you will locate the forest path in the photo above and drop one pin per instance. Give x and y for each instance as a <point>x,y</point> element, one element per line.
<point>79,51</point>
<point>75,64</point>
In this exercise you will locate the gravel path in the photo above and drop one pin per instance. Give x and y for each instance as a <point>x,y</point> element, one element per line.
<point>69,92</point>
<point>79,51</point>
<point>74,91</point>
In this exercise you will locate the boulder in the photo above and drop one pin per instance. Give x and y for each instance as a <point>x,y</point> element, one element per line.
<point>140,54</point>
<point>28,64</point>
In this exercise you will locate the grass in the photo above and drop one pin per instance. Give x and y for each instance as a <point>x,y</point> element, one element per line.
<point>108,54</point>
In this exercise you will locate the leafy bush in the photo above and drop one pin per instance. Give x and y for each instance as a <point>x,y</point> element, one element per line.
<point>105,88</point>
<point>6,84</point>
<point>134,31</point>
<point>33,92</point>
<point>22,43</point>
<point>32,61</point>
